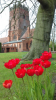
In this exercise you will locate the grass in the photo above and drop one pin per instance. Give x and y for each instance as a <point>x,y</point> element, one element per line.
<point>7,74</point>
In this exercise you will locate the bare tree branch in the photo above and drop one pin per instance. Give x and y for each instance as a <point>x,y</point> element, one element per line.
<point>6,6</point>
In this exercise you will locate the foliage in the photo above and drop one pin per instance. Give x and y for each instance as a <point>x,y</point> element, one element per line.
<point>50,46</point>
<point>0,46</point>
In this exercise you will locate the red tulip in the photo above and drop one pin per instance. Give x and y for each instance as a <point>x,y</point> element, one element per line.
<point>20,73</point>
<point>14,62</point>
<point>17,60</point>
<point>7,84</point>
<point>46,64</point>
<point>27,65</point>
<point>36,61</point>
<point>35,67</point>
<point>39,71</point>
<point>10,64</point>
<point>46,55</point>
<point>22,66</point>
<point>6,65</point>
<point>50,55</point>
<point>42,58</point>
<point>30,72</point>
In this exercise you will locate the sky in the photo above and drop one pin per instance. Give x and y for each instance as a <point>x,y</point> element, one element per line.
<point>4,21</point>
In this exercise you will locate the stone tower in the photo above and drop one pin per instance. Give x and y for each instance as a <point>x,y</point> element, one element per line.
<point>18,22</point>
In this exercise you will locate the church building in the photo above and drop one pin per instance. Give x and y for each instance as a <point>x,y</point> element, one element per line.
<point>20,35</point>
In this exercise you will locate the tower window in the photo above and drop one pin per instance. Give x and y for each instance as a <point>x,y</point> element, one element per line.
<point>24,27</point>
<point>19,45</point>
<point>14,27</point>
<point>24,16</point>
<point>26,45</point>
<point>14,37</point>
<point>30,43</point>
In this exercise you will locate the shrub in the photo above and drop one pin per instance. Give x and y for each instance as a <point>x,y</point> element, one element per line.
<point>0,47</point>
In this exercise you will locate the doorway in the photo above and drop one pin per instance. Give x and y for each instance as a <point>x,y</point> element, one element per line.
<point>26,45</point>
<point>8,49</point>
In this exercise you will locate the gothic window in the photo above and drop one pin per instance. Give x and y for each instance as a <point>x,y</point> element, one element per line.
<point>24,27</point>
<point>13,32</point>
<point>23,16</point>
<point>19,45</point>
<point>27,17</point>
<point>26,45</point>
<point>30,43</point>
<point>14,27</point>
<point>14,37</point>
<point>30,34</point>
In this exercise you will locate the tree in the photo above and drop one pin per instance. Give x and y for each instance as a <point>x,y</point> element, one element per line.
<point>42,32</point>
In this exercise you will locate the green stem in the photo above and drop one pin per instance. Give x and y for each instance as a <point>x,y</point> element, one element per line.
<point>26,94</point>
<point>11,93</point>
<point>15,68</point>
<point>39,91</point>
<point>16,84</point>
<point>29,87</point>
<point>46,89</point>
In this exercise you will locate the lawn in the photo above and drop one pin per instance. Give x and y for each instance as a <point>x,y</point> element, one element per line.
<point>7,74</point>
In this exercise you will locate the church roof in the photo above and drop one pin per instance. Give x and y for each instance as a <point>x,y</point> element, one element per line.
<point>5,39</point>
<point>13,41</point>
<point>28,33</point>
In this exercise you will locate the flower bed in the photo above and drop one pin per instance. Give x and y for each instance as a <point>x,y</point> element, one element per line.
<point>35,90</point>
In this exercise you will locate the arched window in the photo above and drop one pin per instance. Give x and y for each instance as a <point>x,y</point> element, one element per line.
<point>30,43</point>
<point>26,45</point>
<point>23,16</point>
<point>14,27</point>
<point>24,27</point>
<point>14,37</point>
<point>19,45</point>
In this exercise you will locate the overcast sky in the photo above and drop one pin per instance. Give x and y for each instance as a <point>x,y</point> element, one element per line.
<point>4,21</point>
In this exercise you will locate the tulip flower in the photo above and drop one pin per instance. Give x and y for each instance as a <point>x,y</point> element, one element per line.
<point>7,84</point>
<point>39,71</point>
<point>22,66</point>
<point>30,72</point>
<point>50,55</point>
<point>36,61</point>
<point>10,64</point>
<point>20,73</point>
<point>17,60</point>
<point>6,65</point>
<point>35,67</point>
<point>27,65</point>
<point>46,64</point>
<point>46,55</point>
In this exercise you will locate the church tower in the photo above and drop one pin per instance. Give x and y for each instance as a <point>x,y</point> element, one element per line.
<point>18,22</point>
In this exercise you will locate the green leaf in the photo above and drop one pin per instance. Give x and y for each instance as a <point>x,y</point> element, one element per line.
<point>33,96</point>
<point>51,90</point>
<point>15,98</point>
